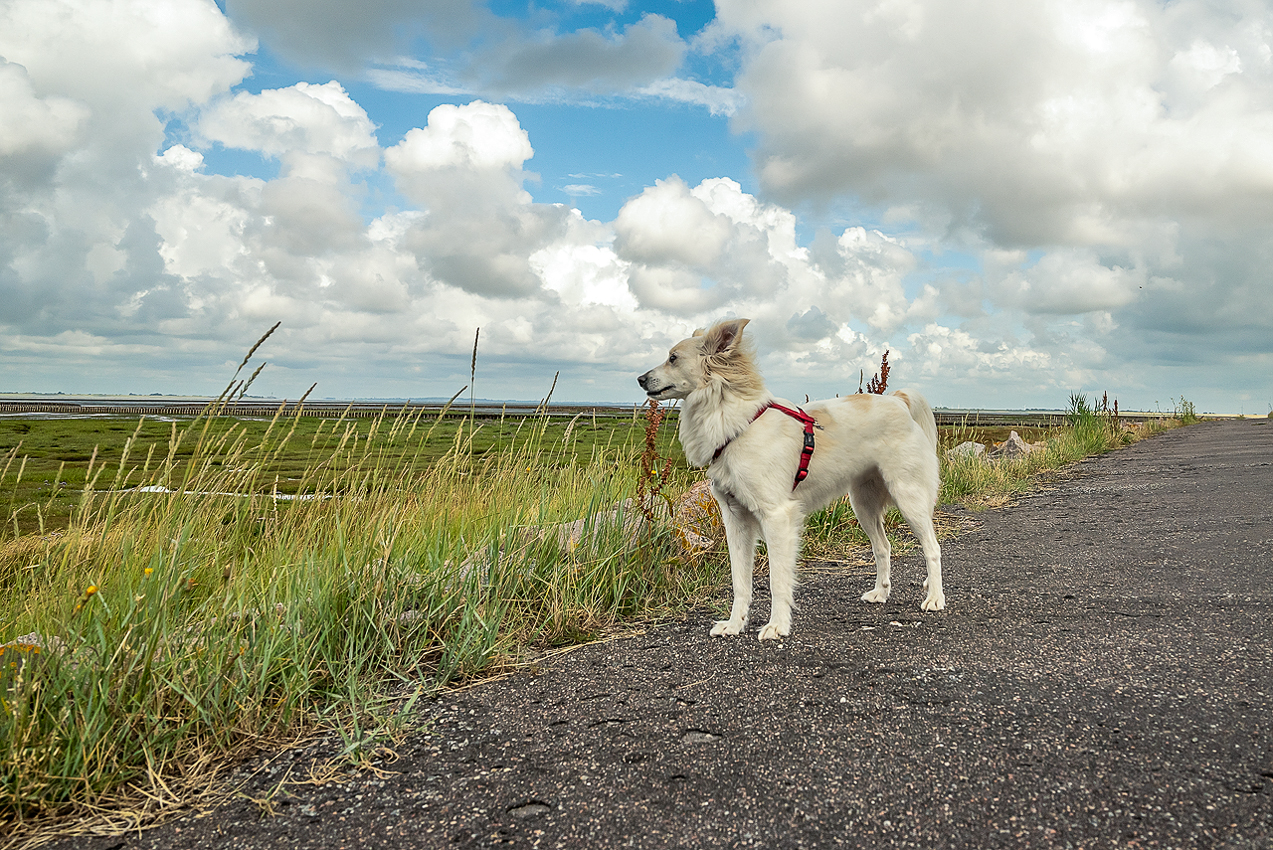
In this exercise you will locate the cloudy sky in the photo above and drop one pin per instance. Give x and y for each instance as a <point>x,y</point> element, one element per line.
<point>1017,199</point>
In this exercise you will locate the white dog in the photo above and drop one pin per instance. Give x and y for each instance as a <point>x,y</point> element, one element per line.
<point>881,450</point>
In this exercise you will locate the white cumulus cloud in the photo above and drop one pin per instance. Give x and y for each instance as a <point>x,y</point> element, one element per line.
<point>478,135</point>
<point>300,119</point>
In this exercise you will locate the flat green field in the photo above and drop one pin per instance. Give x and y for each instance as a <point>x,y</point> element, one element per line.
<point>46,462</point>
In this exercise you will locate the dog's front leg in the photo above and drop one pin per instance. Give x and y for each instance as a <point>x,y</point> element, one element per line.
<point>782,528</point>
<point>741,533</point>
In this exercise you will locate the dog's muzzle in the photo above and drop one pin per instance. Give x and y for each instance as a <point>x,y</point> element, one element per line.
<point>644,381</point>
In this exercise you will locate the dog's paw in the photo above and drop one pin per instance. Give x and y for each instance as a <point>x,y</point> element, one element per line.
<point>879,594</point>
<point>771,631</point>
<point>726,627</point>
<point>935,602</point>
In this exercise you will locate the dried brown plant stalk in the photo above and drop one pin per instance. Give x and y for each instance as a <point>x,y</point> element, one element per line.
<point>879,382</point>
<point>1110,412</point>
<point>653,479</point>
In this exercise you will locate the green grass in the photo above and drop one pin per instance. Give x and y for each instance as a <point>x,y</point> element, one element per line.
<point>48,460</point>
<point>181,628</point>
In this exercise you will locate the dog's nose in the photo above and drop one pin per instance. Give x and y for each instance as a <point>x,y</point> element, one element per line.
<point>643,379</point>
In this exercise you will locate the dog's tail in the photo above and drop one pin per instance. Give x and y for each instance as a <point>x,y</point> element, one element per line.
<point>921,413</point>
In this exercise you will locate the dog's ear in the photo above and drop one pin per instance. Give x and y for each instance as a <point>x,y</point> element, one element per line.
<point>724,335</point>
<point>698,332</point>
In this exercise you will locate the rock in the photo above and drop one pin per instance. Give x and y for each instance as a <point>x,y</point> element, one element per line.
<point>530,809</point>
<point>1012,448</point>
<point>694,519</point>
<point>17,653</point>
<point>966,449</point>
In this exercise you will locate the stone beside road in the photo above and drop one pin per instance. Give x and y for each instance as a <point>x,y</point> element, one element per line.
<point>1012,448</point>
<point>1102,677</point>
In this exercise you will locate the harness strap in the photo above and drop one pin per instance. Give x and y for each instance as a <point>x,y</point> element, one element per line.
<point>805,453</point>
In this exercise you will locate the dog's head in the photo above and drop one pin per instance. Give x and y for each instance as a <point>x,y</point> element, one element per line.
<point>692,363</point>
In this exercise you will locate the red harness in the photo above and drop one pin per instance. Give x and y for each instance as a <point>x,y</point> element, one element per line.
<point>805,453</point>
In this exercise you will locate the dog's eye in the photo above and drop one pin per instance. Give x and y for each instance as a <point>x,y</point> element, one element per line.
<point>671,358</point>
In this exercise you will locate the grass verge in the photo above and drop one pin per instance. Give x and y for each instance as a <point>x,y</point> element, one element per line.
<point>205,614</point>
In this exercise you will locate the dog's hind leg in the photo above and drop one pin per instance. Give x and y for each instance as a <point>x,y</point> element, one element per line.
<point>935,598</point>
<point>917,509</point>
<point>870,499</point>
<point>781,527</point>
<point>742,530</point>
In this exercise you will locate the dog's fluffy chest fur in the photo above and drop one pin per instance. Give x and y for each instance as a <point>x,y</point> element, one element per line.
<point>712,417</point>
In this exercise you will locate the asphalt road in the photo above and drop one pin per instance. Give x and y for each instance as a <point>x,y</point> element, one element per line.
<point>1102,677</point>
